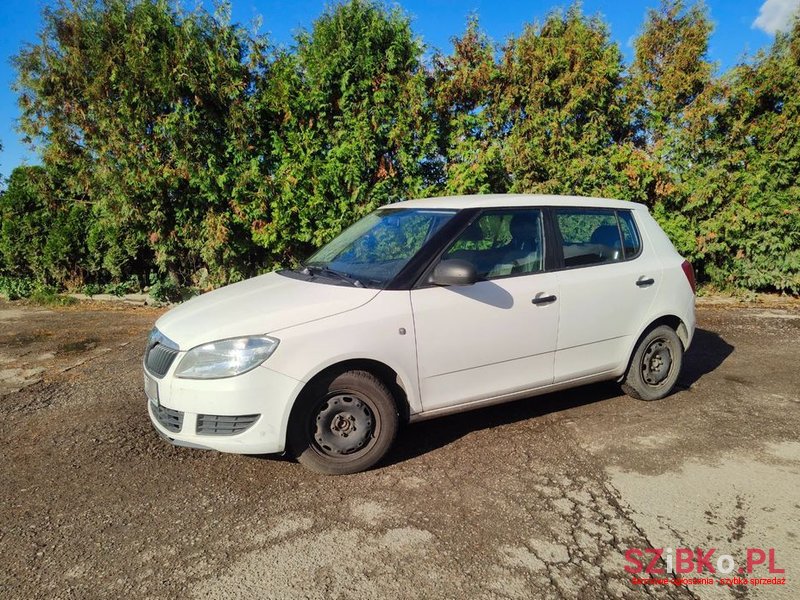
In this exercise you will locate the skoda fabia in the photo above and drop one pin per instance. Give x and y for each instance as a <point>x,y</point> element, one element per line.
<point>421,309</point>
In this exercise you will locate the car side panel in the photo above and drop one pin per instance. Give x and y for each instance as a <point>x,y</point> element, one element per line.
<point>484,339</point>
<point>675,297</point>
<point>602,309</point>
<point>380,330</point>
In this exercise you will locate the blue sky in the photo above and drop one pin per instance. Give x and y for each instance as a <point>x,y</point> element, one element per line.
<point>741,29</point>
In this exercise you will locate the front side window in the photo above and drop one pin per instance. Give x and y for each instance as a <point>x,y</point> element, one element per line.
<point>502,242</point>
<point>376,248</point>
<point>595,236</point>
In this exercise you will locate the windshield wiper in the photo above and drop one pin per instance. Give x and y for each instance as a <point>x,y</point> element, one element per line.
<point>328,272</point>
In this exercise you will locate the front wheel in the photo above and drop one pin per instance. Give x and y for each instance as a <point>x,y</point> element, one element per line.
<point>655,366</point>
<point>345,423</point>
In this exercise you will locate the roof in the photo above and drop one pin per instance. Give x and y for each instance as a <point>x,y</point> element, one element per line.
<point>512,200</point>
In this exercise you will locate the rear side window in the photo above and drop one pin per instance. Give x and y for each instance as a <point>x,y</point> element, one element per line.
<point>596,236</point>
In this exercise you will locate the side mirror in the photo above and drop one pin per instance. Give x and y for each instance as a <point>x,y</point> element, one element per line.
<point>454,272</point>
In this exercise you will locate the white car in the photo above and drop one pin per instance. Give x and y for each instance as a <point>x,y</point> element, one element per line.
<point>421,309</point>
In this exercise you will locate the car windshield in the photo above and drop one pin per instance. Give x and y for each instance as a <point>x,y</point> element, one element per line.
<point>376,248</point>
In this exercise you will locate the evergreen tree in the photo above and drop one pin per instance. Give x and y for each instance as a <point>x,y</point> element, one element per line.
<point>139,107</point>
<point>562,106</point>
<point>356,124</point>
<point>669,69</point>
<point>466,86</point>
<point>178,143</point>
<point>742,185</point>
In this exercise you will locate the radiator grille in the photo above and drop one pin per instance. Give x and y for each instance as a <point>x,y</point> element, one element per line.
<point>224,424</point>
<point>160,354</point>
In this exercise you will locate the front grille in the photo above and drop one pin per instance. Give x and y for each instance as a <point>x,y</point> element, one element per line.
<point>224,425</point>
<point>159,359</point>
<point>160,354</point>
<point>171,420</point>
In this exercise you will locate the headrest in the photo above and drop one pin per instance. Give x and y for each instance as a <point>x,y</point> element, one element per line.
<point>473,233</point>
<point>607,235</point>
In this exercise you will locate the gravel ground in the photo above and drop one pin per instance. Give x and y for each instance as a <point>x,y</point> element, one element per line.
<point>536,499</point>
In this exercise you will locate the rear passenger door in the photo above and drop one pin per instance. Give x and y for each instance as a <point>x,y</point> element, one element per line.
<point>607,283</point>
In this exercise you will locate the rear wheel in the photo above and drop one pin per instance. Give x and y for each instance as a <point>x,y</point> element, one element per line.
<point>655,366</point>
<point>345,423</point>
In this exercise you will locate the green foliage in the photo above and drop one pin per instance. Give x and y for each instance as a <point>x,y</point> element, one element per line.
<point>465,90</point>
<point>563,106</point>
<point>21,222</point>
<point>15,288</point>
<point>121,288</point>
<point>728,196</point>
<point>669,71</point>
<point>91,289</point>
<point>356,130</point>
<point>744,199</point>
<point>182,151</point>
<point>49,296</point>
<point>142,110</point>
<point>23,288</point>
<point>41,233</point>
<point>166,290</point>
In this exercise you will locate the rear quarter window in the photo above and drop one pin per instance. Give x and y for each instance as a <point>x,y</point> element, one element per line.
<point>631,242</point>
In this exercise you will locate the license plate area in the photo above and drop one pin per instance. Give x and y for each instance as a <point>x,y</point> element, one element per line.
<point>151,389</point>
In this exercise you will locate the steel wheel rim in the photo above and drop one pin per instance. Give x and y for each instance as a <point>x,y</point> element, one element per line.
<point>657,362</point>
<point>344,425</point>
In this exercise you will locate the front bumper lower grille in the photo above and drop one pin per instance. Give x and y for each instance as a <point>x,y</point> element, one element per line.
<point>171,420</point>
<point>224,425</point>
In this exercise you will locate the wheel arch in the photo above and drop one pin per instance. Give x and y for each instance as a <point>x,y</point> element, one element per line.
<point>672,321</point>
<point>382,371</point>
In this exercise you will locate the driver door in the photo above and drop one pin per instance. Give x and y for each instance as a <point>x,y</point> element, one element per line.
<point>497,336</point>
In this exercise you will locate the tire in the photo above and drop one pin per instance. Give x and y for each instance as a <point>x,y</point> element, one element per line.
<point>344,423</point>
<point>655,366</point>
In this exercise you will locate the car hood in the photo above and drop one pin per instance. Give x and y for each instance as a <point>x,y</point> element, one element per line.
<point>256,306</point>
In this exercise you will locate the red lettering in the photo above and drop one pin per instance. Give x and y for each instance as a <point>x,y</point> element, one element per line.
<point>755,556</point>
<point>629,556</point>
<point>704,560</point>
<point>651,567</point>
<point>684,560</point>
<point>773,568</point>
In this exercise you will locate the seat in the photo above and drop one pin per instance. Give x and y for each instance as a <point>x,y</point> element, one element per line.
<point>608,237</point>
<point>522,254</point>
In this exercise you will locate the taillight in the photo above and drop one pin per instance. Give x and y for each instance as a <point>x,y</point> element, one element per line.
<point>689,272</point>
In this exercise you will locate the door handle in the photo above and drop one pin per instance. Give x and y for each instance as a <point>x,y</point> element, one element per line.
<point>544,299</point>
<point>645,282</point>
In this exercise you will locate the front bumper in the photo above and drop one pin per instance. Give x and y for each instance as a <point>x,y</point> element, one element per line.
<point>245,414</point>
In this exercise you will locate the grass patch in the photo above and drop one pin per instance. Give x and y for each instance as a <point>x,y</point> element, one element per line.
<point>47,296</point>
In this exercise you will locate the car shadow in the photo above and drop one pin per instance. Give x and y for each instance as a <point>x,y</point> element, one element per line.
<point>485,292</point>
<point>707,353</point>
<point>423,437</point>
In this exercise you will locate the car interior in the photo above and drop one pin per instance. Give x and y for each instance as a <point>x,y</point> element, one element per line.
<point>514,248</point>
<point>604,245</point>
<point>516,245</point>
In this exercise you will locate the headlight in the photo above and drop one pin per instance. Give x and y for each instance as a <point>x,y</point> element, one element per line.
<point>226,358</point>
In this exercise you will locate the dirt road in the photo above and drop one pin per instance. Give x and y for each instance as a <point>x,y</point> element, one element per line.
<point>538,499</point>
